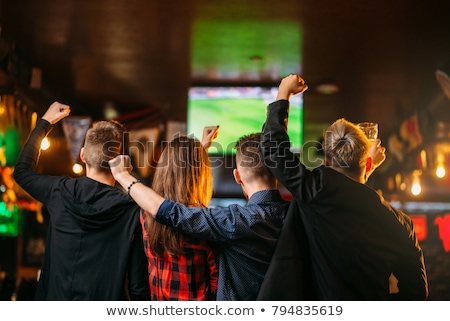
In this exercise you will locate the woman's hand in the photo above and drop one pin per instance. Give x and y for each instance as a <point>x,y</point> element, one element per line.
<point>120,165</point>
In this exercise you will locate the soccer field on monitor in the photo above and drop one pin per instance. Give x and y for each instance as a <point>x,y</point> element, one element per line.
<point>237,117</point>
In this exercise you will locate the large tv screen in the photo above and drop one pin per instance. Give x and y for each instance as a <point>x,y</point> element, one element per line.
<point>238,111</point>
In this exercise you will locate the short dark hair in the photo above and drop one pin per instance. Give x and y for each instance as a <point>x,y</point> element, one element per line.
<point>249,157</point>
<point>103,141</point>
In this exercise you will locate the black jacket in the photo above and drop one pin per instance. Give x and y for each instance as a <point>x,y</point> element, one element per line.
<point>94,248</point>
<point>288,277</point>
<point>355,239</point>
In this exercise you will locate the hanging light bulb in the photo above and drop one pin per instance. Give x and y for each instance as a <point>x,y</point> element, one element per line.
<point>416,188</point>
<point>77,168</point>
<point>440,172</point>
<point>45,143</point>
<point>440,169</point>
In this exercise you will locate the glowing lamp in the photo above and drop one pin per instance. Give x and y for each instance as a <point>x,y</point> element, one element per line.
<point>77,168</point>
<point>45,144</point>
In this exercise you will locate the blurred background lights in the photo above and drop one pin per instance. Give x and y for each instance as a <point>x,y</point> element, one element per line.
<point>440,172</point>
<point>45,144</point>
<point>440,169</point>
<point>416,188</point>
<point>77,168</point>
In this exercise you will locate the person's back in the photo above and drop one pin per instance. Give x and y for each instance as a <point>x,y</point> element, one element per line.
<point>181,267</point>
<point>366,246</point>
<point>245,235</point>
<point>359,247</point>
<point>359,244</point>
<point>94,242</point>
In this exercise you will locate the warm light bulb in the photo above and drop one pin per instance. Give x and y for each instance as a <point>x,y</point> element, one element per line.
<point>77,168</point>
<point>416,189</point>
<point>403,186</point>
<point>45,144</point>
<point>440,172</point>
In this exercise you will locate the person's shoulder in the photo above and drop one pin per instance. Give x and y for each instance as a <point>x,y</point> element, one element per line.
<point>266,197</point>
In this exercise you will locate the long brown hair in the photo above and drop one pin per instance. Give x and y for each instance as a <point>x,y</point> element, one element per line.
<point>183,174</point>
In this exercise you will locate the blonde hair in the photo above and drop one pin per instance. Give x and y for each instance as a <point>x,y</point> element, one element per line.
<point>103,142</point>
<point>346,146</point>
<point>183,174</point>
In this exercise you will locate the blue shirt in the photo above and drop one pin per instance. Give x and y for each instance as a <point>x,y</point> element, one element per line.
<point>246,236</point>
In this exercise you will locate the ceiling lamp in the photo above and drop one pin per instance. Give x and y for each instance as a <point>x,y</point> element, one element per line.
<point>440,168</point>
<point>327,88</point>
<point>77,168</point>
<point>416,187</point>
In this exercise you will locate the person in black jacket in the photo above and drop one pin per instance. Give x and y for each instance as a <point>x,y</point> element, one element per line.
<point>94,248</point>
<point>341,239</point>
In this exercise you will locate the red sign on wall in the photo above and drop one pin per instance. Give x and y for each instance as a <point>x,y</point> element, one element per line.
<point>420,226</point>
<point>443,223</point>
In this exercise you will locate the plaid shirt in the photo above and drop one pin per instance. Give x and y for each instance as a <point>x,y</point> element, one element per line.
<point>188,277</point>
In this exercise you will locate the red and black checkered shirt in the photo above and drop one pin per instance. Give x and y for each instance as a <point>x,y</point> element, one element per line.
<point>188,277</point>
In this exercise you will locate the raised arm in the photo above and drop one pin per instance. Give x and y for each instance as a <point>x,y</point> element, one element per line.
<point>215,224</point>
<point>143,195</point>
<point>210,133</point>
<point>34,183</point>
<point>275,143</point>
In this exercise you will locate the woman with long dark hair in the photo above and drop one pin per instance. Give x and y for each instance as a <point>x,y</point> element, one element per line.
<point>180,267</point>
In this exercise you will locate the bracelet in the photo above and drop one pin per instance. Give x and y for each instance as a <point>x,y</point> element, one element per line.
<point>132,183</point>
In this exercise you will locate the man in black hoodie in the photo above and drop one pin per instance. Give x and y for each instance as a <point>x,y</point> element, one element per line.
<point>94,248</point>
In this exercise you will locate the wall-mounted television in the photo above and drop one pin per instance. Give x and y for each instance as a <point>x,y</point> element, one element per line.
<point>238,110</point>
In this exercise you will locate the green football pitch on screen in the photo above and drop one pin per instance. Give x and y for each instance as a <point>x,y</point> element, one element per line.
<point>237,117</point>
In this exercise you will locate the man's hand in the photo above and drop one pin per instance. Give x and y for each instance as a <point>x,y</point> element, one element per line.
<point>291,85</point>
<point>210,133</point>
<point>56,112</point>
<point>377,155</point>
<point>120,165</point>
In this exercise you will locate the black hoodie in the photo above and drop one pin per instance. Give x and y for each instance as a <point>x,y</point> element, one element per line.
<point>94,248</point>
